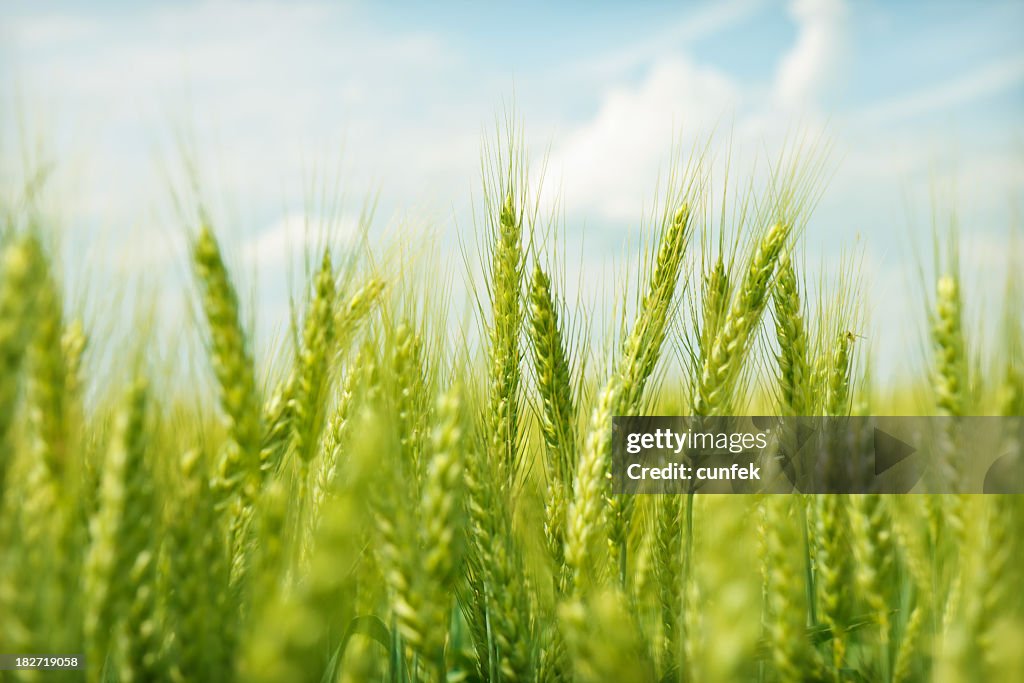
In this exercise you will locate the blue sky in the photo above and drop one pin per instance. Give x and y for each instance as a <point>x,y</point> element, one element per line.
<point>913,96</point>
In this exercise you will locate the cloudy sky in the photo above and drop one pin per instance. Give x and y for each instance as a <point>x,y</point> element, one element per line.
<point>272,96</point>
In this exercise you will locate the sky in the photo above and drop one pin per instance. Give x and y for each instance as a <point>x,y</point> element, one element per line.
<point>922,105</point>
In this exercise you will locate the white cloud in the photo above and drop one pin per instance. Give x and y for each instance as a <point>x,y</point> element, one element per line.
<point>810,66</point>
<point>609,163</point>
<point>290,239</point>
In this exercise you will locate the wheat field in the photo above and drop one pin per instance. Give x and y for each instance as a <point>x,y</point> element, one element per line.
<point>403,500</point>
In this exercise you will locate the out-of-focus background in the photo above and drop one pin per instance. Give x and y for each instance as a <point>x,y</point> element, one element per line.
<point>922,102</point>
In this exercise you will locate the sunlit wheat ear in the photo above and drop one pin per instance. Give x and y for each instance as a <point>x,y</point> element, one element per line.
<point>283,508</point>
<point>442,504</point>
<point>791,333</point>
<point>353,312</point>
<point>553,659</point>
<point>499,609</point>
<point>732,342</point>
<point>318,335</point>
<point>410,400</point>
<point>426,607</point>
<point>47,397</point>
<point>20,264</point>
<point>397,548</point>
<point>558,412</point>
<point>641,351</point>
<point>198,608</point>
<point>329,338</point>
<point>335,441</point>
<point>792,656</point>
<point>715,293</point>
<point>504,373</point>
<point>238,463</point>
<point>587,519</point>
<point>277,418</point>
<point>668,566</point>
<point>118,575</point>
<point>286,640</point>
<point>558,415</point>
<point>503,619</point>
<point>556,501</point>
<point>834,568</point>
<point>837,384</point>
<point>73,342</point>
<point>644,343</point>
<point>949,378</point>
<point>274,523</point>
<point>950,359</point>
<point>875,555</point>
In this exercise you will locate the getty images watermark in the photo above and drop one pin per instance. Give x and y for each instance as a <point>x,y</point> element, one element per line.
<point>817,455</point>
